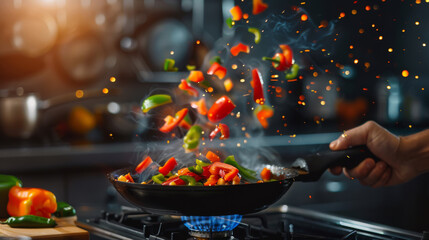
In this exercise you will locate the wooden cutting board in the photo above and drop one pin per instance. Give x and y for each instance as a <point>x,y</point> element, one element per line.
<point>59,232</point>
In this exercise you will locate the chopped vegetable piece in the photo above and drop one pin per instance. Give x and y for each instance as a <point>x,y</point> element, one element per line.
<point>278,61</point>
<point>186,123</point>
<point>212,180</point>
<point>217,69</point>
<point>31,201</point>
<point>201,163</point>
<point>196,169</point>
<point>190,180</point>
<point>259,7</point>
<point>244,172</point>
<point>257,34</point>
<point>30,221</point>
<point>288,53</point>
<point>230,171</point>
<point>258,94</point>
<point>192,138</point>
<point>190,67</point>
<point>174,181</point>
<point>169,65</point>
<point>122,178</point>
<point>236,13</point>
<point>144,164</point>
<point>128,177</point>
<point>171,123</point>
<point>168,166</point>
<point>262,113</point>
<point>239,48</point>
<point>223,129</point>
<point>158,178</point>
<point>220,109</point>
<point>155,101</point>
<point>184,85</point>
<point>236,180</point>
<point>200,105</point>
<point>216,59</point>
<point>196,76</point>
<point>183,171</point>
<point>293,72</point>
<point>228,84</point>
<point>212,157</point>
<point>229,22</point>
<point>266,174</point>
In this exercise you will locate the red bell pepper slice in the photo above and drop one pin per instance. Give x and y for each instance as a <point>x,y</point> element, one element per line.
<point>259,6</point>
<point>288,53</point>
<point>186,123</point>
<point>206,172</point>
<point>217,69</point>
<point>220,109</point>
<point>174,181</point>
<point>223,129</point>
<point>212,180</point>
<point>171,122</point>
<point>196,76</point>
<point>200,105</point>
<point>188,88</point>
<point>229,170</point>
<point>236,13</point>
<point>258,94</point>
<point>144,164</point>
<point>129,178</point>
<point>212,157</point>
<point>262,113</point>
<point>168,166</point>
<point>239,48</point>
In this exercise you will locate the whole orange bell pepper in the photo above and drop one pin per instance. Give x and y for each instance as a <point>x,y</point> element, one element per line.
<point>31,201</point>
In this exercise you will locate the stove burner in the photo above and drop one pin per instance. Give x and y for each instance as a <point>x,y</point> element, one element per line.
<point>210,235</point>
<point>212,223</point>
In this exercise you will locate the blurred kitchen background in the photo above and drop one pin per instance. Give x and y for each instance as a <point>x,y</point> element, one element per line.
<point>74,73</point>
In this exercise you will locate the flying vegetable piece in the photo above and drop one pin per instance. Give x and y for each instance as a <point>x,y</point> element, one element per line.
<point>288,53</point>
<point>184,85</point>
<point>236,13</point>
<point>221,128</point>
<point>293,72</point>
<point>262,113</point>
<point>171,123</point>
<point>229,22</point>
<point>200,105</point>
<point>239,48</point>
<point>190,67</point>
<point>192,138</point>
<point>259,6</point>
<point>244,172</point>
<point>219,168</point>
<point>217,69</point>
<point>169,65</point>
<point>266,174</point>
<point>216,59</point>
<point>228,84</point>
<point>196,76</point>
<point>212,157</point>
<point>31,201</point>
<point>257,34</point>
<point>168,166</point>
<point>155,101</point>
<point>258,90</point>
<point>186,123</point>
<point>220,109</point>
<point>278,61</point>
<point>144,164</point>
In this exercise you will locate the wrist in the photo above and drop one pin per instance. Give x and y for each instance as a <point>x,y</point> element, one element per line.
<point>414,149</point>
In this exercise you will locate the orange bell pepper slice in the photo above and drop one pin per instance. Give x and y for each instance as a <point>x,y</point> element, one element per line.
<point>212,180</point>
<point>168,166</point>
<point>171,122</point>
<point>259,6</point>
<point>144,164</point>
<point>239,48</point>
<point>266,174</point>
<point>217,69</point>
<point>196,76</point>
<point>200,105</point>
<point>263,112</point>
<point>236,13</point>
<point>31,201</point>
<point>188,88</point>
<point>212,157</point>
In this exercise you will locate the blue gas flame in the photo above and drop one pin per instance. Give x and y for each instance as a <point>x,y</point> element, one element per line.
<point>212,223</point>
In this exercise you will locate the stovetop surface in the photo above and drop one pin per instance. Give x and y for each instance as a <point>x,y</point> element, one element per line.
<point>282,222</point>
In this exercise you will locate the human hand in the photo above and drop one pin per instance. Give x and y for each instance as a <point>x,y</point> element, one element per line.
<point>393,167</point>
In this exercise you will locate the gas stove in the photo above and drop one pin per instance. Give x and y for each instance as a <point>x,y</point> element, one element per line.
<point>280,222</point>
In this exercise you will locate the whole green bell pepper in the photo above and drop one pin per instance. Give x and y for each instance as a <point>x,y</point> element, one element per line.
<point>6,183</point>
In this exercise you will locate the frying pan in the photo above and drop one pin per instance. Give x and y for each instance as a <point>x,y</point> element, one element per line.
<point>233,199</point>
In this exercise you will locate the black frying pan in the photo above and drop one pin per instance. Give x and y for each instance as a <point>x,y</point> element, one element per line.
<point>232,199</point>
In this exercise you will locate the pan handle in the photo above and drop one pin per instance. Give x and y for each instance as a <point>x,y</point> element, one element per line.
<point>318,163</point>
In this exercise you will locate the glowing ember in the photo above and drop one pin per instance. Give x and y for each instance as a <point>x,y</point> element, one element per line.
<point>79,94</point>
<point>105,90</point>
<point>405,73</point>
<point>112,79</point>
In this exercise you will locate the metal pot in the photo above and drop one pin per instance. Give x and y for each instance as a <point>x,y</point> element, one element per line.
<point>20,113</point>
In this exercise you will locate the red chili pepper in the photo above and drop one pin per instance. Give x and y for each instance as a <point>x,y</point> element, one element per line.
<point>144,164</point>
<point>258,92</point>
<point>171,122</point>
<point>168,166</point>
<point>223,129</point>
<point>278,61</point>
<point>174,181</point>
<point>212,180</point>
<point>188,88</point>
<point>200,105</point>
<point>196,76</point>
<point>239,48</point>
<point>236,13</point>
<point>217,69</point>
<point>220,109</point>
<point>288,53</point>
<point>230,171</point>
<point>259,6</point>
<point>212,157</point>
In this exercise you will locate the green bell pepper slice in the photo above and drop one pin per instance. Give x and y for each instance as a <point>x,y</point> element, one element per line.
<point>190,180</point>
<point>229,22</point>
<point>201,163</point>
<point>293,72</point>
<point>257,34</point>
<point>155,101</point>
<point>64,210</point>
<point>158,178</point>
<point>192,138</point>
<point>169,65</point>
<point>196,169</point>
<point>244,172</point>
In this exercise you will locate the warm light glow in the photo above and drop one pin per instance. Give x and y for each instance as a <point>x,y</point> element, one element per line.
<point>105,90</point>
<point>368,7</point>
<point>361,30</point>
<point>380,38</point>
<point>342,15</point>
<point>79,93</point>
<point>389,87</point>
<point>304,17</point>
<point>417,23</point>
<point>405,73</point>
<point>354,12</point>
<point>198,42</point>
<point>322,103</point>
<point>390,49</point>
<point>112,79</point>
<point>234,66</point>
<point>356,61</point>
<point>172,53</point>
